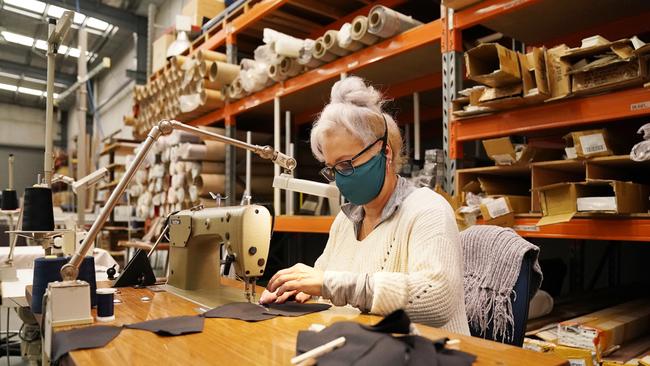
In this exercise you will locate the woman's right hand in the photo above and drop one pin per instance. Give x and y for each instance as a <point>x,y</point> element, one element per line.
<point>268,297</point>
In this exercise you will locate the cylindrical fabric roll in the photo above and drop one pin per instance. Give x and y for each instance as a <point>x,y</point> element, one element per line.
<point>321,53</point>
<point>180,167</point>
<point>287,46</point>
<point>330,40</point>
<point>306,57</point>
<point>178,137</point>
<point>193,192</point>
<point>38,211</point>
<point>164,156</point>
<point>212,98</point>
<point>344,37</point>
<point>171,195</point>
<point>158,185</point>
<point>208,167</point>
<point>180,194</point>
<point>156,200</point>
<point>207,55</point>
<point>211,151</point>
<point>135,190</point>
<point>247,63</point>
<point>290,66</point>
<point>385,22</point>
<point>223,72</point>
<point>275,73</point>
<point>360,31</point>
<point>206,183</point>
<point>178,180</point>
<point>172,167</point>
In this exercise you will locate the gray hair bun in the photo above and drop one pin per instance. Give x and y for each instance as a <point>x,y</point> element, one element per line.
<point>353,90</point>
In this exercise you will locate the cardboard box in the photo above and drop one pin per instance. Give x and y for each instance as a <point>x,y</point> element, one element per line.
<point>609,74</point>
<point>493,65</point>
<point>501,210</point>
<point>604,329</point>
<point>559,202</point>
<point>534,76</point>
<point>503,152</point>
<point>159,55</point>
<point>202,10</point>
<point>459,4</point>
<point>538,346</point>
<point>557,70</point>
<point>576,356</point>
<point>589,144</point>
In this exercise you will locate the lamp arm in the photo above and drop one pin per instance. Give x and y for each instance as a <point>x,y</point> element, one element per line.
<point>70,270</point>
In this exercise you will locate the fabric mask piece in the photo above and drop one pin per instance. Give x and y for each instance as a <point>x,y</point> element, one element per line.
<point>366,182</point>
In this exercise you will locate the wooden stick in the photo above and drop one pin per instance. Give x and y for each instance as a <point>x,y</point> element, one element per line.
<point>319,351</point>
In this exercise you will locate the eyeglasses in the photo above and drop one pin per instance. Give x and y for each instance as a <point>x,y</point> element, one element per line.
<point>345,167</point>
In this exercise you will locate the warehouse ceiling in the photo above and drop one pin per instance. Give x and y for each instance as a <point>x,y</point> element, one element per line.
<point>23,31</point>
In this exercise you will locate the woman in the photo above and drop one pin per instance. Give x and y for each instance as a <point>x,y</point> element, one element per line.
<point>393,246</point>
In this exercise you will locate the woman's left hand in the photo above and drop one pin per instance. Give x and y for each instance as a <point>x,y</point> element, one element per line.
<point>300,277</point>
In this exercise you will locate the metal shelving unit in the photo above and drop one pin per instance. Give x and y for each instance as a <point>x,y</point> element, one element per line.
<point>536,22</point>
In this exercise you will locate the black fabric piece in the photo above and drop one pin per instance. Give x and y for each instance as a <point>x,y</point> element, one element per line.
<point>292,308</point>
<point>174,326</point>
<point>82,338</point>
<point>239,310</point>
<point>395,322</point>
<point>375,345</point>
<point>254,312</point>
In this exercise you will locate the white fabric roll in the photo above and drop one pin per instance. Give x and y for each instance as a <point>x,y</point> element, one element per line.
<point>171,195</point>
<point>193,193</point>
<point>180,194</point>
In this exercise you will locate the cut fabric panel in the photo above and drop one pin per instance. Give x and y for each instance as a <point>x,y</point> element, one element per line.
<point>255,312</point>
<point>82,338</point>
<point>174,326</point>
<point>376,345</point>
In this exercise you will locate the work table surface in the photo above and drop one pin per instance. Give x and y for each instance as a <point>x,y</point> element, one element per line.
<point>235,342</point>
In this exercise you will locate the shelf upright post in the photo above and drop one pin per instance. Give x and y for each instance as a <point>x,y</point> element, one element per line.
<point>231,131</point>
<point>277,198</point>
<point>452,79</point>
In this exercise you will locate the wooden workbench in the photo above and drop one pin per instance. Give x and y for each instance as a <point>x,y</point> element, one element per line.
<point>235,342</point>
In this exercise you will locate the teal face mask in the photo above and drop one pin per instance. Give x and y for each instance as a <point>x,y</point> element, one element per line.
<point>365,183</point>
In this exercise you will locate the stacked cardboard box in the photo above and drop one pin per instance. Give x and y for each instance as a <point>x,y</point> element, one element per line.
<point>510,79</point>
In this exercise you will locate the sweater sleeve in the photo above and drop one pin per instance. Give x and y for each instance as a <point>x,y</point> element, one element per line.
<point>428,290</point>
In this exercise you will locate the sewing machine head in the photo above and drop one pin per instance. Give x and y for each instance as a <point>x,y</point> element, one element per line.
<point>196,236</point>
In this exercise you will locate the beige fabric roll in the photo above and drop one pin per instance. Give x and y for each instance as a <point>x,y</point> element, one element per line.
<point>206,55</point>
<point>360,31</point>
<point>385,22</point>
<point>211,151</point>
<point>330,40</point>
<point>193,193</point>
<point>206,183</point>
<point>320,51</point>
<point>171,195</point>
<point>223,72</point>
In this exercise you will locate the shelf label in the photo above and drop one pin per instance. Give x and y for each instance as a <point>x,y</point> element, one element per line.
<point>498,207</point>
<point>532,228</point>
<point>592,144</point>
<point>640,106</point>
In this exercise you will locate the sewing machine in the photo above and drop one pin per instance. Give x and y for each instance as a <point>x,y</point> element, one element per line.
<point>195,259</point>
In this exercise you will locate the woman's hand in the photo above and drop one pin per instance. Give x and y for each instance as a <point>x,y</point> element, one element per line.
<point>269,297</point>
<point>299,278</point>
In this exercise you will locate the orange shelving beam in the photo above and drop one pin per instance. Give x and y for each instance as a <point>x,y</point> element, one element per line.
<point>414,38</point>
<point>488,9</point>
<point>568,113</point>
<point>303,224</point>
<point>618,229</point>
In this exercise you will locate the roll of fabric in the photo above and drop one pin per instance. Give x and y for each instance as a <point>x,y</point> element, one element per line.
<point>321,53</point>
<point>306,56</point>
<point>290,66</point>
<point>287,46</point>
<point>180,194</point>
<point>385,22</point>
<point>171,195</point>
<point>193,193</point>
<point>208,55</point>
<point>206,183</point>
<point>359,31</point>
<point>345,40</point>
<point>330,40</point>
<point>211,151</point>
<point>275,73</point>
<point>223,72</point>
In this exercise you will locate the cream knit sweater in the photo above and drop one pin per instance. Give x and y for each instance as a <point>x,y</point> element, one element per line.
<point>414,260</point>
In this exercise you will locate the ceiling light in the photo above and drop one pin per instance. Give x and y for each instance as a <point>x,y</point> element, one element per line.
<point>17,38</point>
<point>32,5</point>
<point>41,44</point>
<point>30,91</point>
<point>8,87</point>
<point>55,11</point>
